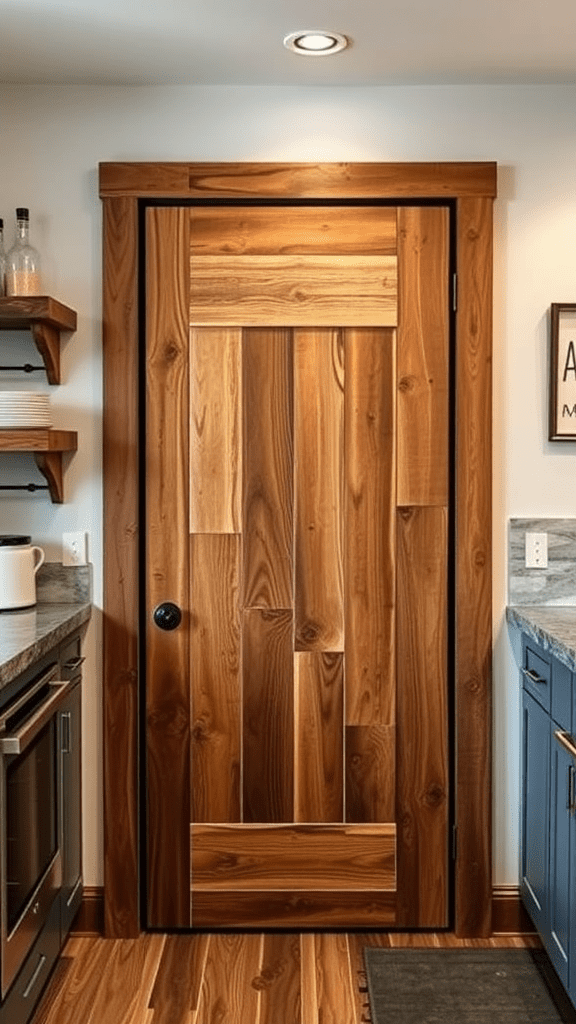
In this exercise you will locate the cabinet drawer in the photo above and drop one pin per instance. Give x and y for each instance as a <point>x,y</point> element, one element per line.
<point>19,1004</point>
<point>536,673</point>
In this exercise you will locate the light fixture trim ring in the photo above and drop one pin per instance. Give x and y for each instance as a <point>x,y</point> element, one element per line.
<point>296,42</point>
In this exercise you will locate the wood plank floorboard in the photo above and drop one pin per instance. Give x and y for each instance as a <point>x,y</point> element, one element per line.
<point>227,978</point>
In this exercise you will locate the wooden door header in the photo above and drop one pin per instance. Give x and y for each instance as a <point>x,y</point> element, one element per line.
<point>298,180</point>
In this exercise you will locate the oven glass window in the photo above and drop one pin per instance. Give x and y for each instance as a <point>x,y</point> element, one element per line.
<point>31,819</point>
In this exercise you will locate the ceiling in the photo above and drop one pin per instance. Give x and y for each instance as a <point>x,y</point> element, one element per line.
<point>239,42</point>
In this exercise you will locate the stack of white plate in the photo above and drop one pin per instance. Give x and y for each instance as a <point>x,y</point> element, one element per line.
<point>21,409</point>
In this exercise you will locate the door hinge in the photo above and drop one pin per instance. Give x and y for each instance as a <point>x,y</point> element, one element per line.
<point>454,842</point>
<point>454,292</point>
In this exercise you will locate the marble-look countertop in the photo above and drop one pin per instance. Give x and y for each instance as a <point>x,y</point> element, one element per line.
<point>552,626</point>
<point>25,636</point>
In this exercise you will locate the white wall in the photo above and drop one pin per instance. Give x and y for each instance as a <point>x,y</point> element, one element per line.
<point>51,141</point>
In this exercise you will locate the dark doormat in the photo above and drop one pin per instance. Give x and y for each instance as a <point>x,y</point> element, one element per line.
<point>464,986</point>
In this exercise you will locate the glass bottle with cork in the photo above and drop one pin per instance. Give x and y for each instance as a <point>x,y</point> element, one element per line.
<point>22,261</point>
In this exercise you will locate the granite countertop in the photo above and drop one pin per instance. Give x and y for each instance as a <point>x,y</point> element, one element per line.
<point>552,626</point>
<point>25,636</point>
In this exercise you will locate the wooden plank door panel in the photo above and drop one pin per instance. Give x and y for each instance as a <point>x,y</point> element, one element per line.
<point>423,439</point>
<point>369,526</point>
<point>302,230</point>
<point>268,453</point>
<point>215,677</point>
<point>318,739</point>
<point>268,715</point>
<point>299,290</point>
<point>288,857</point>
<point>295,909</point>
<point>317,569</point>
<point>215,431</point>
<point>422,788</point>
<point>167,490</point>
<point>318,467</point>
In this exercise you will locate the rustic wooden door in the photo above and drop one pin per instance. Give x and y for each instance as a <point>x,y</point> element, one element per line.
<point>298,514</point>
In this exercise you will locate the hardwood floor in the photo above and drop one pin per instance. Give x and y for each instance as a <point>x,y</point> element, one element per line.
<point>225,978</point>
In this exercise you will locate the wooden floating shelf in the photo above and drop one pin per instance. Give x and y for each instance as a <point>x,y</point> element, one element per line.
<point>46,318</point>
<point>47,446</point>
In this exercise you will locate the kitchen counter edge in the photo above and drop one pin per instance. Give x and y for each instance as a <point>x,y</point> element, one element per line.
<point>552,626</point>
<point>26,636</point>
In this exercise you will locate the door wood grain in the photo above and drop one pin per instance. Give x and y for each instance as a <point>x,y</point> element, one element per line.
<point>369,525</point>
<point>268,718</point>
<point>272,291</point>
<point>422,763</point>
<point>370,773</point>
<point>281,230</point>
<point>423,443</point>
<point>303,908</point>
<point>319,746</point>
<point>167,696</point>
<point>268,452</point>
<point>318,476</point>
<point>215,431</point>
<point>215,677</point>
<point>292,857</point>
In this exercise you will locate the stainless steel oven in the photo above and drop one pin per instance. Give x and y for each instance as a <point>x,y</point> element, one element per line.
<point>30,855</point>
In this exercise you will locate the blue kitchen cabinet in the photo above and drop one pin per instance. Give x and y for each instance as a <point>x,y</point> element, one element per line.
<point>557,934</point>
<point>548,868</point>
<point>535,810</point>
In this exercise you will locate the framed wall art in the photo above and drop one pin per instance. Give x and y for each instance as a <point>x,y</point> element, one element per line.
<point>562,425</point>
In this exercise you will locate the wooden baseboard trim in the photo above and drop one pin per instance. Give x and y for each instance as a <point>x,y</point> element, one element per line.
<point>508,914</point>
<point>90,917</point>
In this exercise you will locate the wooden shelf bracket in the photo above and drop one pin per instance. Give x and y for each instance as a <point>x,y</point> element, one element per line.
<point>46,318</point>
<point>47,341</point>
<point>47,447</point>
<point>50,465</point>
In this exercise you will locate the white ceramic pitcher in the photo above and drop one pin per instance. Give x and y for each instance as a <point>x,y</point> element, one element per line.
<point>19,563</point>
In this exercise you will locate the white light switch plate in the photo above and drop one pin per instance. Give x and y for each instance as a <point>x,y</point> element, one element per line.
<point>74,548</point>
<point>536,550</point>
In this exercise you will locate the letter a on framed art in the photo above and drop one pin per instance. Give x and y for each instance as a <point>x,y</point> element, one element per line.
<point>562,372</point>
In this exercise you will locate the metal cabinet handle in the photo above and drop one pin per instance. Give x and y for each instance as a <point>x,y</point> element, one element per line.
<point>565,740</point>
<point>73,663</point>
<point>34,977</point>
<point>39,684</point>
<point>16,742</point>
<point>66,737</point>
<point>533,676</point>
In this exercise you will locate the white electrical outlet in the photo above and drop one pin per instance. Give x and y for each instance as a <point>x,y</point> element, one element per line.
<point>74,549</point>
<point>536,550</point>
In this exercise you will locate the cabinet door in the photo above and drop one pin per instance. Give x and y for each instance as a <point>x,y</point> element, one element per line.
<point>70,805</point>
<point>556,937</point>
<point>535,810</point>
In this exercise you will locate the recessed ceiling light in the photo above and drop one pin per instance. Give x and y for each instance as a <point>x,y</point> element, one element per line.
<point>314,43</point>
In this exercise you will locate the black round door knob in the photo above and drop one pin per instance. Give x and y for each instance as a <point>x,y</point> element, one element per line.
<point>167,615</point>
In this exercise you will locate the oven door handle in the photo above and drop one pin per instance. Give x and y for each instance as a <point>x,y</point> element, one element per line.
<point>16,742</point>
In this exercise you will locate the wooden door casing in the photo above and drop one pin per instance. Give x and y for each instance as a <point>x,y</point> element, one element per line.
<point>472,188</point>
<point>293,514</point>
